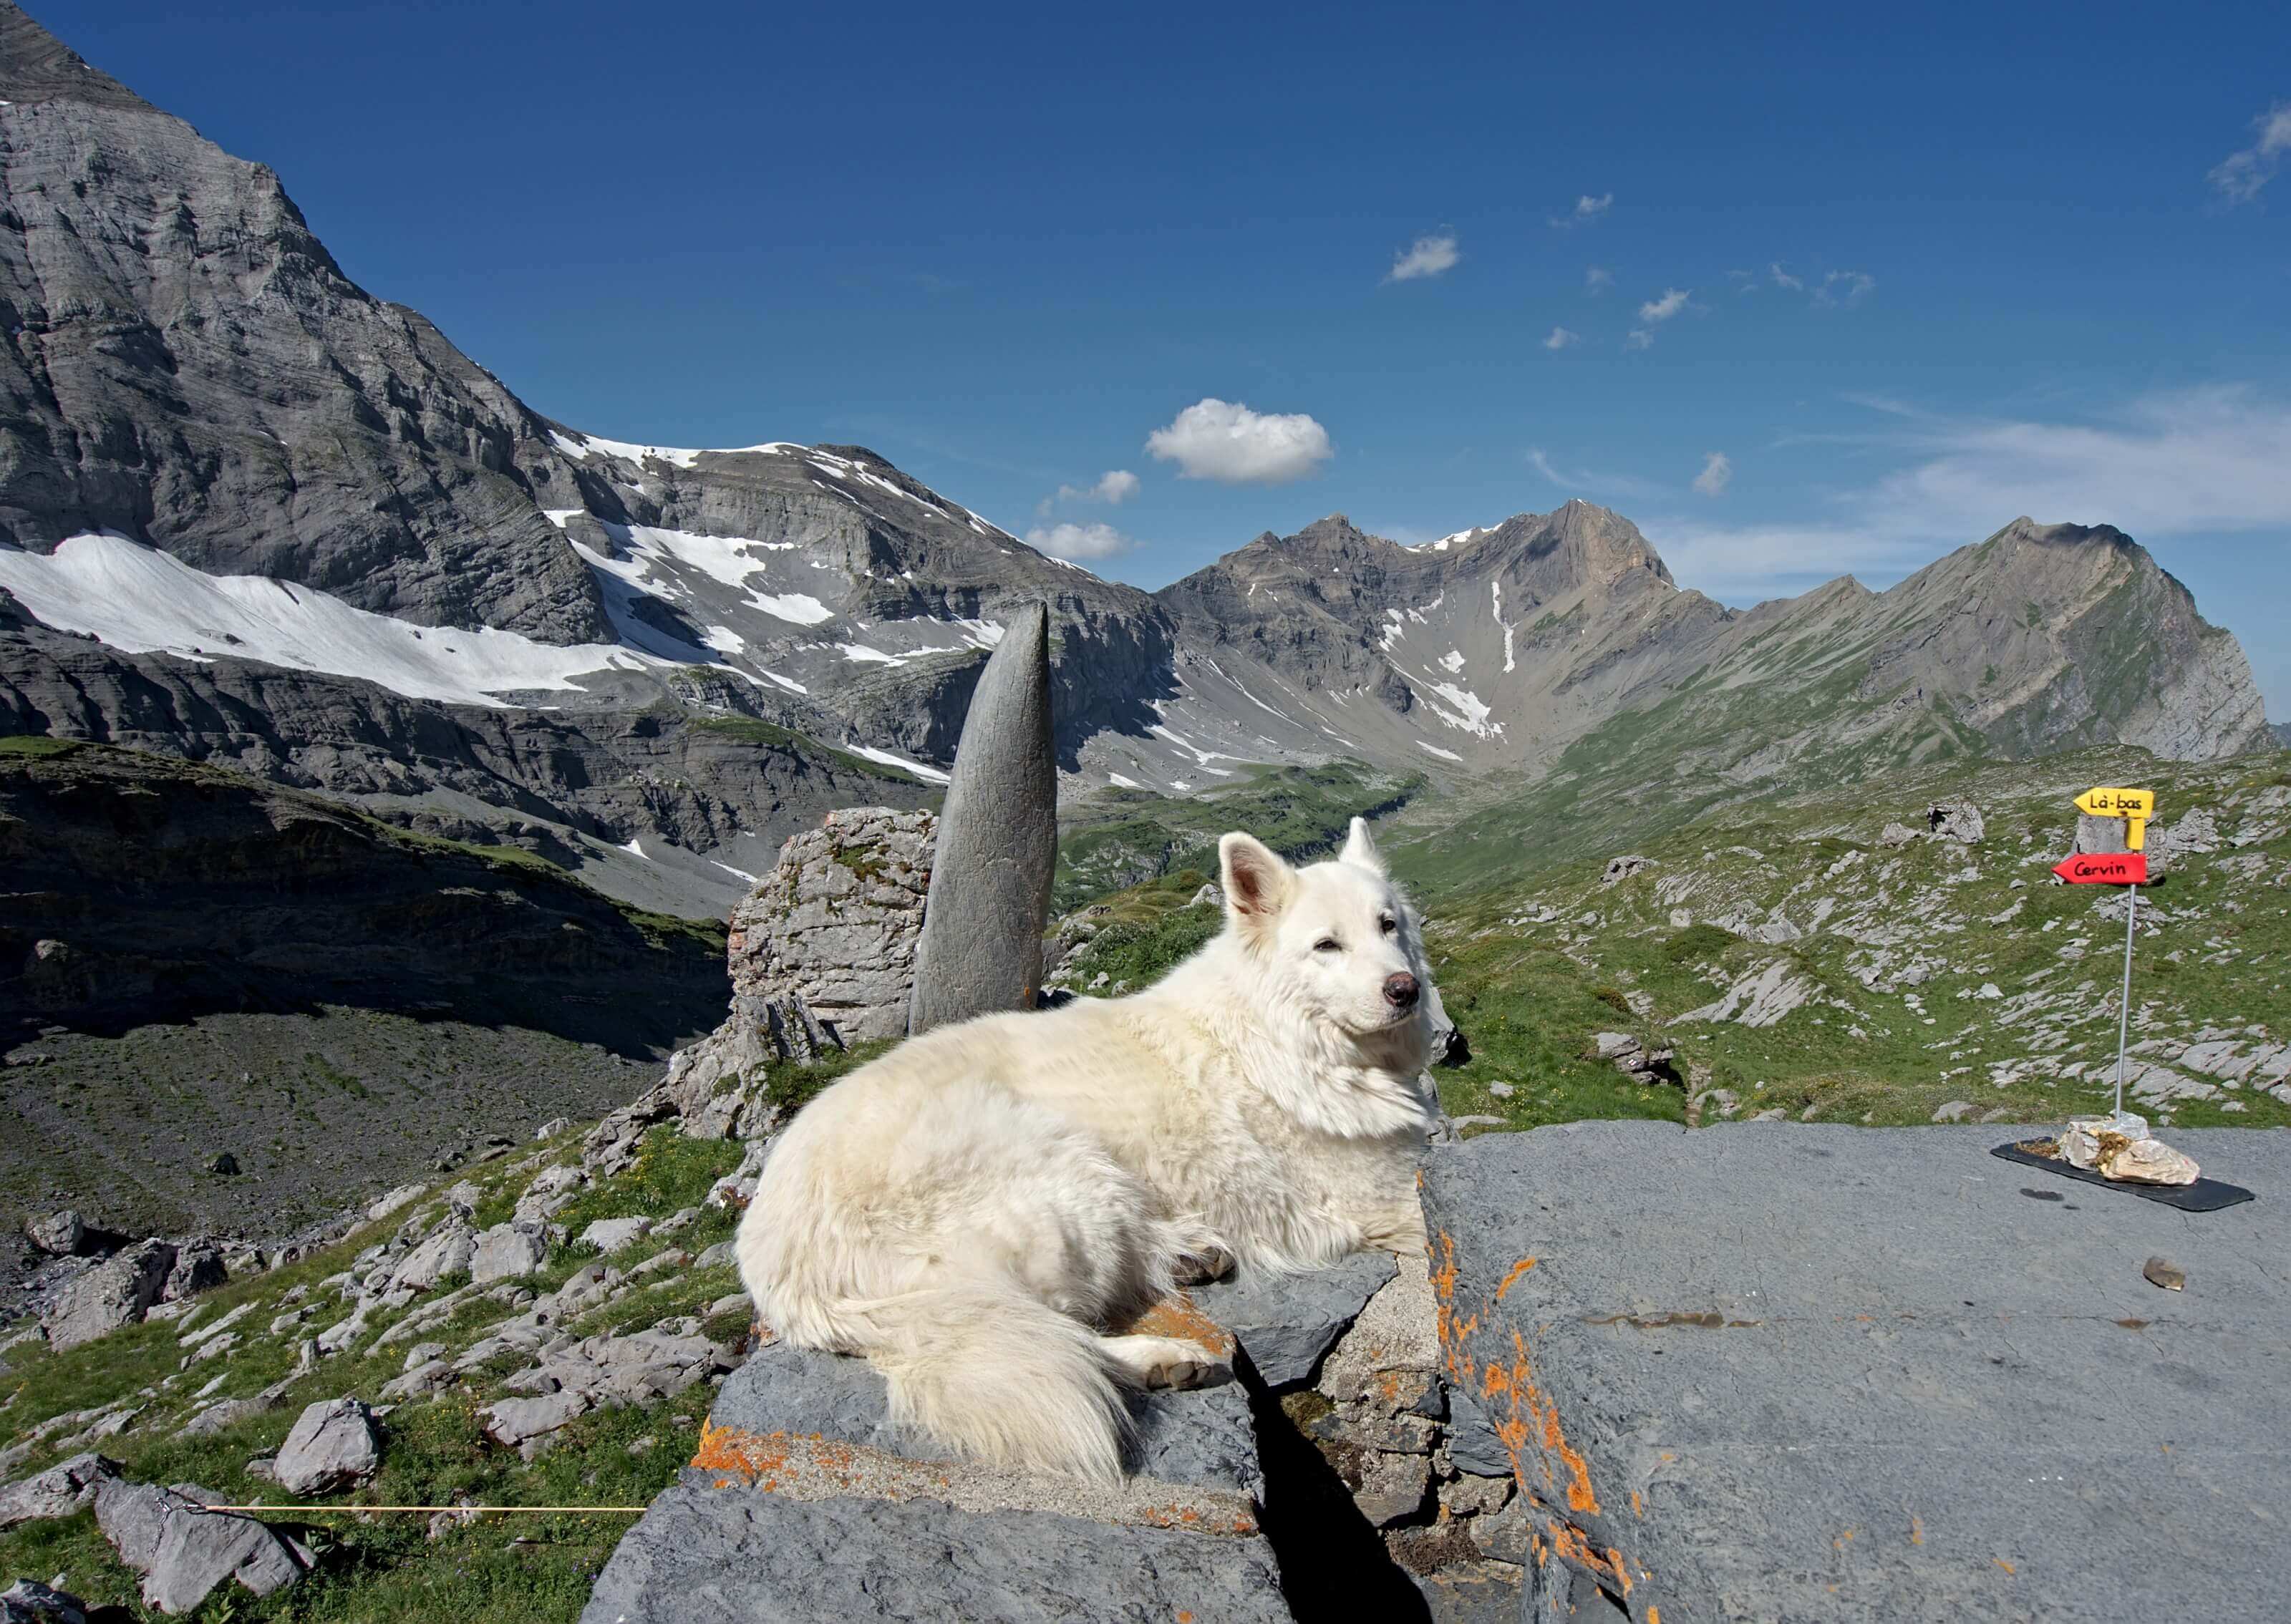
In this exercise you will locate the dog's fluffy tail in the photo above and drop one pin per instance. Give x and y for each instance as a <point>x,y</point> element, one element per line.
<point>999,1375</point>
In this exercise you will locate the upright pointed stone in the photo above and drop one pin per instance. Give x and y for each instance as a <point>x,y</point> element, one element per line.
<point>998,842</point>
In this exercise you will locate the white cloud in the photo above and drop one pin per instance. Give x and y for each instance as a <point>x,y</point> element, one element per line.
<point>1586,207</point>
<point>1597,278</point>
<point>2204,461</point>
<point>1844,288</point>
<point>1114,487</point>
<point>1427,256</point>
<point>1079,540</point>
<point>1226,442</point>
<point>1783,279</point>
<point>2240,175</point>
<point>1638,338</point>
<point>1561,338</point>
<point>1673,301</point>
<point>1716,470</point>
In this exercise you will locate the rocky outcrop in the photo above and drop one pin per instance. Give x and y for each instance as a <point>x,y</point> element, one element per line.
<point>114,1292</point>
<point>334,1445</point>
<point>184,1551</point>
<point>1691,1430</point>
<point>821,955</point>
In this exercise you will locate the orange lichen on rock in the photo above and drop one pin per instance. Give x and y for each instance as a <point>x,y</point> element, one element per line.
<point>1180,1317</point>
<point>1512,1279</point>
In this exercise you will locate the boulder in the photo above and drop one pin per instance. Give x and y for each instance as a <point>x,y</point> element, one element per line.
<point>64,1488</point>
<point>507,1251</point>
<point>1956,818</point>
<point>822,954</point>
<point>27,1601</point>
<point>519,1420</point>
<point>397,1200</point>
<point>990,888</point>
<point>184,1552</point>
<point>1623,867</point>
<point>59,1235</point>
<point>612,1235</point>
<point>1700,1424</point>
<point>1898,835</point>
<point>334,1445</point>
<point>117,1292</point>
<point>198,1266</point>
<point>442,1256</point>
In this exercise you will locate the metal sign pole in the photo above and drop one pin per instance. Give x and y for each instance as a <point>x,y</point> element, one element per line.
<point>2124,1013</point>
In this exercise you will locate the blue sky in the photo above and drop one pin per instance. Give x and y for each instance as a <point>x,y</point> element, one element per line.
<point>1908,275</point>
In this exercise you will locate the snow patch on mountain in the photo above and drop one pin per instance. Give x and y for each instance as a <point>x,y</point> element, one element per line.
<point>141,601</point>
<point>929,775</point>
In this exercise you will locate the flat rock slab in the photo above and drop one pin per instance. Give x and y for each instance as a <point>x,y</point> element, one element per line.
<point>704,1556</point>
<point>1815,1371</point>
<point>810,1424</point>
<point>1287,1323</point>
<point>804,1501</point>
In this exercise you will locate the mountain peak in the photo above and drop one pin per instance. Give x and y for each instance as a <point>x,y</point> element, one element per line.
<point>36,67</point>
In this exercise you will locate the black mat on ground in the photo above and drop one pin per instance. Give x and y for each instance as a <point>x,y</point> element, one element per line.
<point>2204,1196</point>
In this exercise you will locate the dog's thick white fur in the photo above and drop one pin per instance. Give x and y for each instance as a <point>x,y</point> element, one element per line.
<point>972,1210</point>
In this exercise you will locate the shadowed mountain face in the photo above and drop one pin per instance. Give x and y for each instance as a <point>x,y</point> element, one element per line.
<point>249,514</point>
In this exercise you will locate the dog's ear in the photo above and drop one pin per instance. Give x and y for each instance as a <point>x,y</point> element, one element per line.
<point>1360,851</point>
<point>1257,883</point>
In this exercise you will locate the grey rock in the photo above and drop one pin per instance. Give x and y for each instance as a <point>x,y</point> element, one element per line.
<point>443,1255</point>
<point>59,1235</point>
<point>198,1266</point>
<point>334,1445</point>
<point>27,1601</point>
<point>184,1552</point>
<point>1202,1438</point>
<point>114,1292</point>
<point>1956,818</point>
<point>709,1555</point>
<point>1392,1487</point>
<point>507,1251</point>
<point>821,953</point>
<point>990,888</point>
<point>1286,1324</point>
<point>554,1126</point>
<point>1623,867</point>
<point>612,1235</point>
<point>1727,1390</point>
<point>517,1420</point>
<point>223,1416</point>
<point>64,1488</point>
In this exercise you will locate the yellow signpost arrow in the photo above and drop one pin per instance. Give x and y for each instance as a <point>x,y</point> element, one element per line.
<point>2118,803</point>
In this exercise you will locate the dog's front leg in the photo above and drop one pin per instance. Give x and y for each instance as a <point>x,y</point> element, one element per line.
<point>1397,1228</point>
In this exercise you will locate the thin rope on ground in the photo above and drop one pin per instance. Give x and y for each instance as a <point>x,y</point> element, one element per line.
<point>560,1510</point>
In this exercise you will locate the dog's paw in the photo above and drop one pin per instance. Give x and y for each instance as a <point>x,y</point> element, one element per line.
<point>1188,1364</point>
<point>1162,1364</point>
<point>1198,1269</point>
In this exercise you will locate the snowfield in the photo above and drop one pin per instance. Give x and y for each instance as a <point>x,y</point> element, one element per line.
<point>142,601</point>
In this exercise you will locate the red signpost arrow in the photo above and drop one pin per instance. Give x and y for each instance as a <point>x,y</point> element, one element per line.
<point>2104,868</point>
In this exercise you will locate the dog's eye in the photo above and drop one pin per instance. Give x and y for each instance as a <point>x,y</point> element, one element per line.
<point>1390,924</point>
<point>1328,944</point>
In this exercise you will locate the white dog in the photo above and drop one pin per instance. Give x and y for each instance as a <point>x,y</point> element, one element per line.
<point>970,1210</point>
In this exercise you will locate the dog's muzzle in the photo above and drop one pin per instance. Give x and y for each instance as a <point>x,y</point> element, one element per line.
<point>1401,991</point>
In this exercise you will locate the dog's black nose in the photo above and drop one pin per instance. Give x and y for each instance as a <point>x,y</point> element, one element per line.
<point>1401,990</point>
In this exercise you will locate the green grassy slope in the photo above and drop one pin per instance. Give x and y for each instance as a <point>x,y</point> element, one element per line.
<point>1924,975</point>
